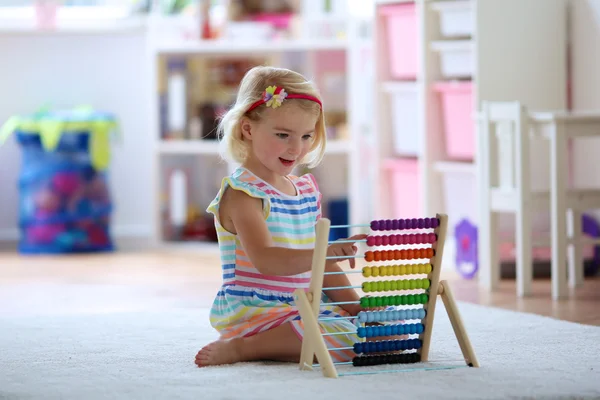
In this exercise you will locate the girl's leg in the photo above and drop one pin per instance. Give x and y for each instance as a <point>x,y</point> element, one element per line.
<point>277,344</point>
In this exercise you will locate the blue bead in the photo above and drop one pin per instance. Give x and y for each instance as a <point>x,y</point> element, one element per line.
<point>357,348</point>
<point>420,328</point>
<point>369,331</point>
<point>388,330</point>
<point>362,316</point>
<point>361,332</point>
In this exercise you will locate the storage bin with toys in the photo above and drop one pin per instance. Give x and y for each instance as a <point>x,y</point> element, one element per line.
<point>65,203</point>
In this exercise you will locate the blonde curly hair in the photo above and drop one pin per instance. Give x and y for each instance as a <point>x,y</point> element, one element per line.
<point>254,83</point>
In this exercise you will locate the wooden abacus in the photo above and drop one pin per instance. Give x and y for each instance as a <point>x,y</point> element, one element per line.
<point>421,306</point>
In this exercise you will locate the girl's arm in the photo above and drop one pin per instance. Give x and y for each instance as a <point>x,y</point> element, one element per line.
<point>242,214</point>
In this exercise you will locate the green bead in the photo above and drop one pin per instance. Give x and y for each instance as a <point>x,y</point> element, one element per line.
<point>386,286</point>
<point>366,287</point>
<point>426,283</point>
<point>364,302</point>
<point>378,301</point>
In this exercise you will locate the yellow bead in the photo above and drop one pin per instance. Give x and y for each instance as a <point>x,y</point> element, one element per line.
<point>403,270</point>
<point>396,270</point>
<point>366,272</point>
<point>375,272</point>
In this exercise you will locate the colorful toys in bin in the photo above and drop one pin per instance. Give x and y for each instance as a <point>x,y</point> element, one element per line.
<point>65,203</point>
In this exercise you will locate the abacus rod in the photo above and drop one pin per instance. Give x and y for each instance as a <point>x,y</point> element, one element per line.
<point>351,226</point>
<point>335,318</point>
<point>337,303</point>
<point>339,333</point>
<point>338,257</point>
<point>342,287</point>
<point>317,365</point>
<point>404,370</point>
<point>340,349</point>
<point>355,271</point>
<point>347,241</point>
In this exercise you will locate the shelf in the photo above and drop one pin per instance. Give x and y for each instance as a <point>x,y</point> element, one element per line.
<point>91,27</point>
<point>247,47</point>
<point>71,20</point>
<point>189,147</point>
<point>455,166</point>
<point>211,147</point>
<point>450,45</point>
<point>398,86</point>
<point>451,5</point>
<point>387,2</point>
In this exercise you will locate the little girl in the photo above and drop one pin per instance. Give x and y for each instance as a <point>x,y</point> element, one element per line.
<point>265,219</point>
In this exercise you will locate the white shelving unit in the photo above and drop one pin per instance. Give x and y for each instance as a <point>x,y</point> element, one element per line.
<point>202,156</point>
<point>495,50</point>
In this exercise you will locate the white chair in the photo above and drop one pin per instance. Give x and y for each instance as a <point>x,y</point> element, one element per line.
<point>504,166</point>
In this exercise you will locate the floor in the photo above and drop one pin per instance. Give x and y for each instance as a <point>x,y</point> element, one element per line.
<point>144,280</point>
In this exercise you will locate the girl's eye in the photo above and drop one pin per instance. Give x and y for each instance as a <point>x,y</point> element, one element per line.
<point>306,137</point>
<point>282,135</point>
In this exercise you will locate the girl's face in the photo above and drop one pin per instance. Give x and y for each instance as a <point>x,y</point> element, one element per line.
<point>281,139</point>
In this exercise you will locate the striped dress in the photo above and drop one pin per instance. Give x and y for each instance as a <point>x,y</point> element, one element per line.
<point>249,302</point>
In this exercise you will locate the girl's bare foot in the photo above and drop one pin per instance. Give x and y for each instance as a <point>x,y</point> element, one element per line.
<point>220,352</point>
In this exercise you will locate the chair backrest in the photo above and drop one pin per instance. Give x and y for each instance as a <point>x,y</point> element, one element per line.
<point>504,147</point>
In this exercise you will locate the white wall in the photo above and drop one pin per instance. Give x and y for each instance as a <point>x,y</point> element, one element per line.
<point>108,72</point>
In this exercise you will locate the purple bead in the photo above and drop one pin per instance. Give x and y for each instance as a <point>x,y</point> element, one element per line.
<point>388,224</point>
<point>408,223</point>
<point>427,223</point>
<point>420,223</point>
<point>374,225</point>
<point>401,224</point>
<point>435,222</point>
<point>415,223</point>
<point>395,224</point>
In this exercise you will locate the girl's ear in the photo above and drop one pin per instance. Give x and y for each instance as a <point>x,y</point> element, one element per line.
<point>246,126</point>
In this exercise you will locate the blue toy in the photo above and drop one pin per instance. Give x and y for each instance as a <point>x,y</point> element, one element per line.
<point>65,204</point>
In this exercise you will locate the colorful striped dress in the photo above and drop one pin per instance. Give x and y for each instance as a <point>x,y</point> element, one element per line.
<point>249,302</point>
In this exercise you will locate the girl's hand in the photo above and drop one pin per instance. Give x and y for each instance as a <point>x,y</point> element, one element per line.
<point>347,248</point>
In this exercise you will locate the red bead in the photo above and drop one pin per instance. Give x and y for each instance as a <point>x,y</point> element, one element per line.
<point>378,240</point>
<point>385,240</point>
<point>370,241</point>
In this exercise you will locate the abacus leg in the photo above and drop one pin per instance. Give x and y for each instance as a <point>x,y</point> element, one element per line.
<point>457,324</point>
<point>313,339</point>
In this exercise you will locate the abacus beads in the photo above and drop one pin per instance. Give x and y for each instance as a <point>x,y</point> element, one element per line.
<point>394,240</point>
<point>396,270</point>
<point>404,254</point>
<point>406,223</point>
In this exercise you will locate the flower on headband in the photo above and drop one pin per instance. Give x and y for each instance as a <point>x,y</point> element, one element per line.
<point>273,96</point>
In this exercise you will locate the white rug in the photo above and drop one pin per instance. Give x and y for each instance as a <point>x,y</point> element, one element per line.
<point>150,355</point>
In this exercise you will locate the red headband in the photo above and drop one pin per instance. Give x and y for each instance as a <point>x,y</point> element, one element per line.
<point>273,96</point>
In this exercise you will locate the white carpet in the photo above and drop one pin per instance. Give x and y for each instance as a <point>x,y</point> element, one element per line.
<point>150,355</point>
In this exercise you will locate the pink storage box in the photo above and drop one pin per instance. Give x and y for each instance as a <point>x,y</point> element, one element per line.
<point>456,107</point>
<point>404,193</point>
<point>400,21</point>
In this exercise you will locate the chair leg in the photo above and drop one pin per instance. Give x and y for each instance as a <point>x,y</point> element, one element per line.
<point>524,262</point>
<point>575,249</point>
<point>489,264</point>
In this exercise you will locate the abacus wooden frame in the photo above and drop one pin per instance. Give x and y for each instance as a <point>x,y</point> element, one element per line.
<point>308,305</point>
